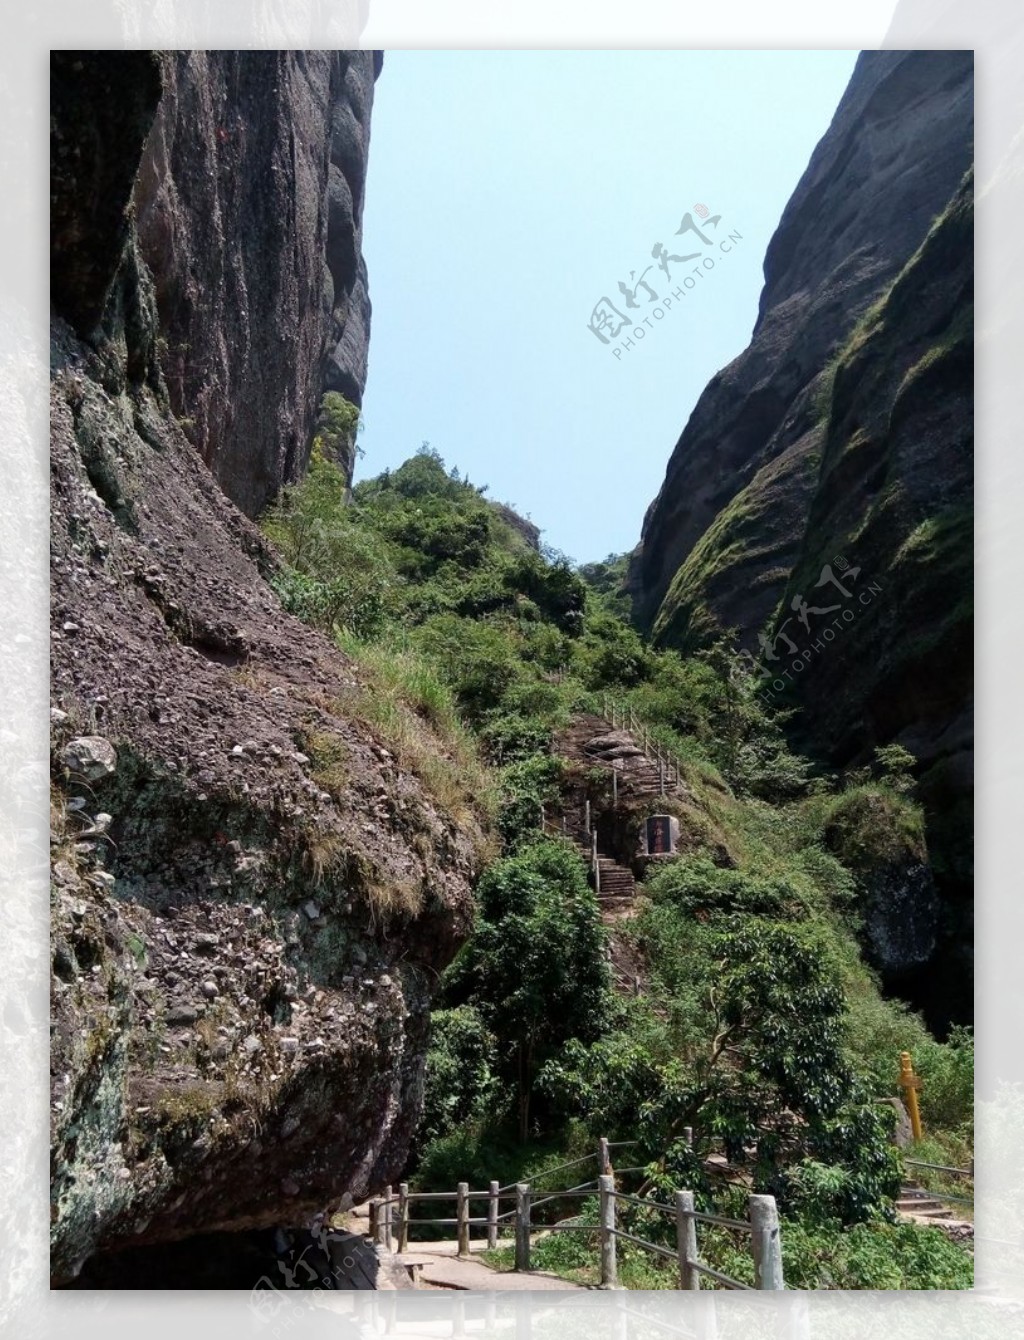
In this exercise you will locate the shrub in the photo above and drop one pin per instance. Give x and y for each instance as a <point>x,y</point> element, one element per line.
<point>535,968</point>
<point>947,1080</point>
<point>460,1082</point>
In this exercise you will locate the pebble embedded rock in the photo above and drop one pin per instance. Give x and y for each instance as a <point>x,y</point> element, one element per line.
<point>91,757</point>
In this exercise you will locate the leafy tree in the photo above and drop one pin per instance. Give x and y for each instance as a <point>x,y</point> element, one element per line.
<point>460,1080</point>
<point>535,968</point>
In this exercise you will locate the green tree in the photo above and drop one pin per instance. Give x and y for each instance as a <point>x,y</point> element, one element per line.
<point>460,1075</point>
<point>896,766</point>
<point>536,967</point>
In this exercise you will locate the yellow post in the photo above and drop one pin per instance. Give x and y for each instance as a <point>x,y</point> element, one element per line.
<point>910,1083</point>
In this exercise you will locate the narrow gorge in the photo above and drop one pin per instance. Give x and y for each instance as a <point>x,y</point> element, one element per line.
<point>330,757</point>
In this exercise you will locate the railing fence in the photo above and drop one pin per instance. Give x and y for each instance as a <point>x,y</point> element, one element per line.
<point>762,1225</point>
<point>623,717</point>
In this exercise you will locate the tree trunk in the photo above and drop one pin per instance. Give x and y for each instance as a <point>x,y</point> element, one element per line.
<point>524,1091</point>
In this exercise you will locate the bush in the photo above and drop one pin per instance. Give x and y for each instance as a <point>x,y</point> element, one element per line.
<point>535,968</point>
<point>872,1256</point>
<point>947,1080</point>
<point>460,1082</point>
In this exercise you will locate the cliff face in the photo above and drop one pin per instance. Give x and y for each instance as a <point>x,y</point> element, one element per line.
<point>249,203</point>
<point>894,496</point>
<point>720,539</point>
<point>251,897</point>
<point>841,441</point>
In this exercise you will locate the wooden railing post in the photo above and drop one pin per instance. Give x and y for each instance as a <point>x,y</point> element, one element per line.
<point>522,1226</point>
<point>403,1216</point>
<point>462,1215</point>
<point>766,1243</point>
<point>586,816</point>
<point>595,862</point>
<point>606,1190</point>
<point>375,1221</point>
<point>604,1162</point>
<point>661,774</point>
<point>686,1240</point>
<point>492,1215</point>
<point>388,1200</point>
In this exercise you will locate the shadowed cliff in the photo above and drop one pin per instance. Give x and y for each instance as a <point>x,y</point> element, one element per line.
<point>251,898</point>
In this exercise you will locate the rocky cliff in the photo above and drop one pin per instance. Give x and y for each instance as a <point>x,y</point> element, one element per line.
<point>840,441</point>
<point>720,539</point>
<point>251,896</point>
<point>894,496</point>
<point>249,205</point>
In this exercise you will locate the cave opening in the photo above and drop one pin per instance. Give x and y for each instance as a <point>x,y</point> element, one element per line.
<point>255,1259</point>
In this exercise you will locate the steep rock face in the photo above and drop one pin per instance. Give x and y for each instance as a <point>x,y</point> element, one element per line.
<point>829,468</point>
<point>720,539</point>
<point>894,496</point>
<point>251,898</point>
<point>249,202</point>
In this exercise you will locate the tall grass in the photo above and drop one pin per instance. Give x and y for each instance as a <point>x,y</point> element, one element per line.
<point>406,703</point>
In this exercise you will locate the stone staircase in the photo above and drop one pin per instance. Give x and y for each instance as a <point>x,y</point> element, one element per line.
<point>592,739</point>
<point>916,1205</point>
<point>915,1200</point>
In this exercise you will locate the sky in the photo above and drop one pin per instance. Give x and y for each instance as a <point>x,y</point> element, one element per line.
<point>508,193</point>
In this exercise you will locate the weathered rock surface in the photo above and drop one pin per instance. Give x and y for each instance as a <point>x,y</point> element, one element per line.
<point>895,494</point>
<point>249,202</point>
<point>841,441</point>
<point>720,539</point>
<point>220,1058</point>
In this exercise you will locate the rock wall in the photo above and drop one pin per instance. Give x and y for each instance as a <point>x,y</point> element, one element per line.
<point>843,436</point>
<point>895,494</point>
<point>249,202</point>
<point>719,541</point>
<point>252,897</point>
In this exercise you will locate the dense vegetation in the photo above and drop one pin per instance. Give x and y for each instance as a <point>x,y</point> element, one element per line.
<point>761,1027</point>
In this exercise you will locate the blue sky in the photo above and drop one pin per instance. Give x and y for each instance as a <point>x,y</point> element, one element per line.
<point>508,192</point>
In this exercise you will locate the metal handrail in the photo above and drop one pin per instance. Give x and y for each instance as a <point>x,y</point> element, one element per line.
<point>651,1246</point>
<point>699,1215</point>
<point>718,1219</point>
<point>584,1188</point>
<point>644,1204</point>
<point>939,1167</point>
<point>449,1195</point>
<point>727,1280</point>
<point>560,1167</point>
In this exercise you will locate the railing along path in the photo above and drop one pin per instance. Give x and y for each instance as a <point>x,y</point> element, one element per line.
<point>762,1225</point>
